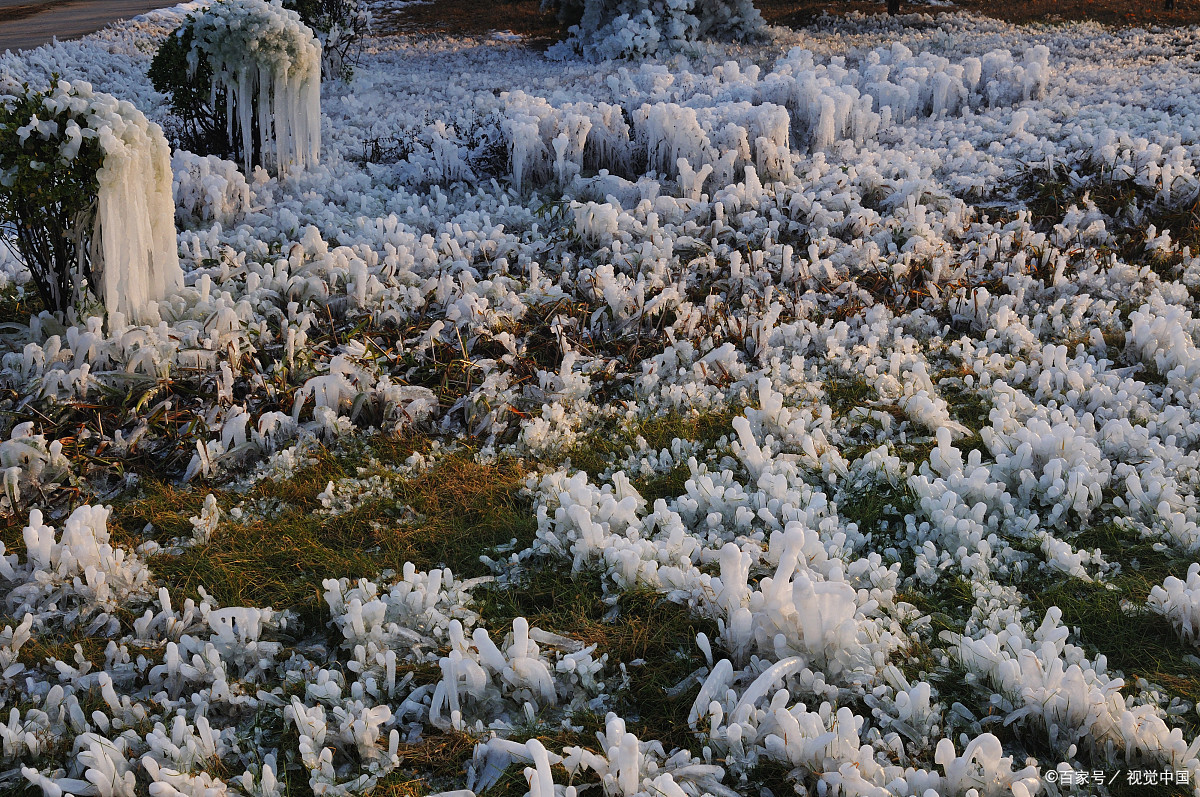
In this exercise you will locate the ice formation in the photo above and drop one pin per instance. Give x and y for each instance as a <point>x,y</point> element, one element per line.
<point>209,189</point>
<point>630,28</point>
<point>74,579</point>
<point>1179,601</point>
<point>914,403</point>
<point>136,260</point>
<point>268,63</point>
<point>732,119</point>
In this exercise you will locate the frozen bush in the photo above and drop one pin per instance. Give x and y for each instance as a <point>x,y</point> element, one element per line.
<point>208,189</point>
<point>85,179</point>
<point>265,85</point>
<point>1179,602</point>
<point>75,579</point>
<point>198,108</point>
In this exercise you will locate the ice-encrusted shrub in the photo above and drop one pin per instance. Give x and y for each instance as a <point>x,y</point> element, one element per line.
<point>50,194</point>
<point>407,621</point>
<point>208,189</point>
<point>753,117</point>
<point>85,179</point>
<point>482,680</point>
<point>628,28</point>
<point>1051,683</point>
<point>624,761</point>
<point>263,70</point>
<point>29,461</point>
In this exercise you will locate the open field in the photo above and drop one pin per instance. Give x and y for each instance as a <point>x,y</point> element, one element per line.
<point>817,414</point>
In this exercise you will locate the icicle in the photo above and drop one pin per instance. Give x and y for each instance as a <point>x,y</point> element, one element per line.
<point>138,262</point>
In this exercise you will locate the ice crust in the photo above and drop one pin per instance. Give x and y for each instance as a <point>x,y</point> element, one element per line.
<point>746,210</point>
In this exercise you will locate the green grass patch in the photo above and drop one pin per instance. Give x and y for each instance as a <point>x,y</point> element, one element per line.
<point>595,454</point>
<point>948,601</point>
<point>869,508</point>
<point>463,509</point>
<point>844,394</point>
<point>1142,565</point>
<point>646,628</point>
<point>772,776</point>
<point>916,451</point>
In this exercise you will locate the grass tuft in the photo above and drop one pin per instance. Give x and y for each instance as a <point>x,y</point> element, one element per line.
<point>462,509</point>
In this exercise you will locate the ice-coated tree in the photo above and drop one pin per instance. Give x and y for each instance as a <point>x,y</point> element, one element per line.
<point>266,73</point>
<point>629,28</point>
<point>85,182</point>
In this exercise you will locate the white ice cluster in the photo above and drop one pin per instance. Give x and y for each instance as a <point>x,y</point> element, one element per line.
<point>479,676</point>
<point>637,28</point>
<point>1072,698</point>
<point>30,462</point>
<point>706,129</point>
<point>625,766</point>
<point>209,189</point>
<point>268,63</point>
<point>73,579</point>
<point>1179,601</point>
<point>407,623</point>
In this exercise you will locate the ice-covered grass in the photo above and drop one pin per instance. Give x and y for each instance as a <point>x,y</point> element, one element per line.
<point>268,547</point>
<point>275,542</point>
<point>652,639</point>
<point>839,400</point>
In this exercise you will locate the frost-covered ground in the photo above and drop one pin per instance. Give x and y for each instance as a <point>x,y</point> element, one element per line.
<point>913,280</point>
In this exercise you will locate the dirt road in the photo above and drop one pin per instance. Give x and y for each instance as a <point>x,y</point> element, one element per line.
<point>25,24</point>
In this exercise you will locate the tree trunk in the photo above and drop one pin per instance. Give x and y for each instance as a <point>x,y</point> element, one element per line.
<point>893,6</point>
<point>1169,5</point>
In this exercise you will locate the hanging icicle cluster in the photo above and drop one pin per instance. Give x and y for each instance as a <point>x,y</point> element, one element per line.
<point>267,63</point>
<point>87,179</point>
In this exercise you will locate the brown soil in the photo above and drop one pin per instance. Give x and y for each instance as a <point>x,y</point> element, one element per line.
<point>474,17</point>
